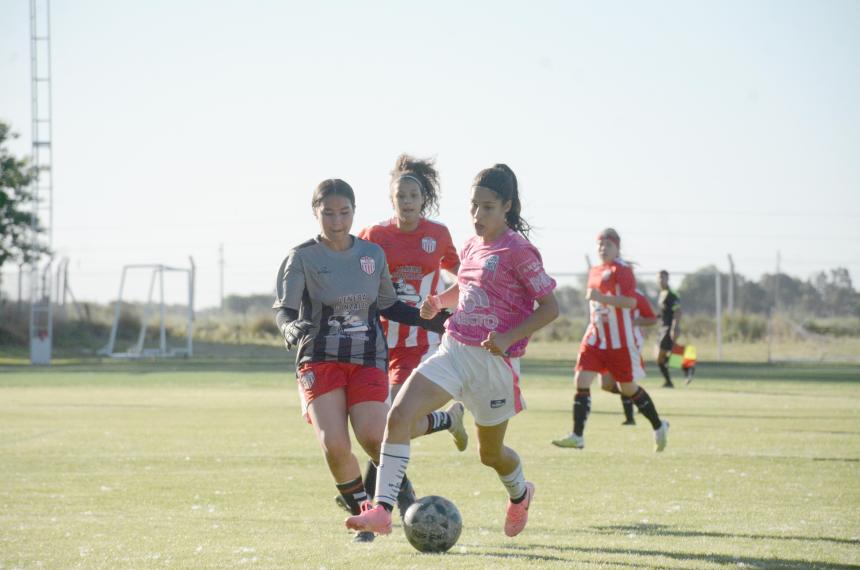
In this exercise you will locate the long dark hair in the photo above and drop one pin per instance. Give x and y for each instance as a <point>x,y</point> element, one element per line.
<point>501,179</point>
<point>424,170</point>
<point>332,187</point>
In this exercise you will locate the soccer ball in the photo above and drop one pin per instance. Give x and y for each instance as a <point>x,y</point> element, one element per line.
<point>432,524</point>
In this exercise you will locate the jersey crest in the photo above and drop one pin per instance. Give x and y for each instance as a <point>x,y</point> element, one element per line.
<point>307,379</point>
<point>368,264</point>
<point>428,244</point>
<point>491,263</point>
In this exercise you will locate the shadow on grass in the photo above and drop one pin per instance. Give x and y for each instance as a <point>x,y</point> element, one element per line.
<point>663,530</point>
<point>795,372</point>
<point>722,559</point>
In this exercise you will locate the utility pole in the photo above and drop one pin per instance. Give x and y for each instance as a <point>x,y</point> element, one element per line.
<point>731,285</point>
<point>776,282</point>
<point>221,271</point>
<point>719,315</point>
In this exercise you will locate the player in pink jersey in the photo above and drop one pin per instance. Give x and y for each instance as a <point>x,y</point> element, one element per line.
<point>501,278</point>
<point>643,316</point>
<point>609,344</point>
<point>417,250</point>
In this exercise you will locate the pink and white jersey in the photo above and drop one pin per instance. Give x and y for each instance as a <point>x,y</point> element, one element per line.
<point>642,309</point>
<point>499,283</point>
<point>610,326</point>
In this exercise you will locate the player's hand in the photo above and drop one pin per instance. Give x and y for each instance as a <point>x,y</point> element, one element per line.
<point>295,331</point>
<point>497,343</point>
<point>437,323</point>
<point>430,307</point>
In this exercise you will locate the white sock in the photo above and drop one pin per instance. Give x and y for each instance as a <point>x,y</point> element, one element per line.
<point>515,482</point>
<point>393,459</point>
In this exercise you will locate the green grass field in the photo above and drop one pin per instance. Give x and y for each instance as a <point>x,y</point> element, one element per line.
<point>206,464</point>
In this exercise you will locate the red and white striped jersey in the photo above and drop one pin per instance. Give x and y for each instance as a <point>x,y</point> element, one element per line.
<point>643,309</point>
<point>611,327</point>
<point>415,260</point>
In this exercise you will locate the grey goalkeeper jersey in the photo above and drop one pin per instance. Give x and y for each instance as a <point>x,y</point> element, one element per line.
<point>341,293</point>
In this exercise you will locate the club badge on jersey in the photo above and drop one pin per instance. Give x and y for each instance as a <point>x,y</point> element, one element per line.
<point>368,264</point>
<point>307,379</point>
<point>428,244</point>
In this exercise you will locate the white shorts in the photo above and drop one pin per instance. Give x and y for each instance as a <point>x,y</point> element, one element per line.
<point>488,385</point>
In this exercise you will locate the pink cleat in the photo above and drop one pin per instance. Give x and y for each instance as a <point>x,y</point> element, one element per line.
<point>518,513</point>
<point>374,519</point>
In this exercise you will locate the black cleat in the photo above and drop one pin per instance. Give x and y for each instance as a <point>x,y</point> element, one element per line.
<point>341,502</point>
<point>630,422</point>
<point>363,536</point>
<point>405,497</point>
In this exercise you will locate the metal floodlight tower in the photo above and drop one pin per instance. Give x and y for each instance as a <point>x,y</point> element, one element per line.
<point>41,315</point>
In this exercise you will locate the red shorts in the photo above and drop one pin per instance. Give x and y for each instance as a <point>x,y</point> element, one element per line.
<point>620,362</point>
<point>361,383</point>
<point>402,361</point>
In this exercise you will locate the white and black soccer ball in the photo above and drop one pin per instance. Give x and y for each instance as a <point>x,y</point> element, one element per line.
<point>432,524</point>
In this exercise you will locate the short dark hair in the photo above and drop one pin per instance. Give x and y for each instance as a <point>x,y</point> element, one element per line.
<point>332,187</point>
<point>664,272</point>
<point>501,179</point>
<point>424,170</point>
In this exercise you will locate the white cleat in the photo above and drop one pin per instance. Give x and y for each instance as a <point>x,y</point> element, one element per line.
<point>660,436</point>
<point>461,438</point>
<point>571,440</point>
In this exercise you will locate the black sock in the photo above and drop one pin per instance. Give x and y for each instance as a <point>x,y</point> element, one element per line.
<point>646,406</point>
<point>521,499</point>
<point>353,493</point>
<point>627,404</point>
<point>370,479</point>
<point>665,370</point>
<point>581,409</point>
<point>406,490</point>
<point>438,421</point>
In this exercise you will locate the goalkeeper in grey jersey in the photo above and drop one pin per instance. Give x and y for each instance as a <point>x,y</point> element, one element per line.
<point>331,291</point>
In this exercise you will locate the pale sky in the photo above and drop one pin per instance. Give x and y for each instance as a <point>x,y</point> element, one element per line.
<point>696,129</point>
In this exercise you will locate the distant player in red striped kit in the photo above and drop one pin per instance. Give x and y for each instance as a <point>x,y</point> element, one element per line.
<point>643,316</point>
<point>609,344</point>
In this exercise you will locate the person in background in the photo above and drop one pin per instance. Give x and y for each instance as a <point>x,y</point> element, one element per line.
<point>609,345</point>
<point>643,316</point>
<point>670,316</point>
<point>417,250</point>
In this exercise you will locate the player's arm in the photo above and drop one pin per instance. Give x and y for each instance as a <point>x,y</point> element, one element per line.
<point>445,300</point>
<point>676,322</point>
<point>647,317</point>
<point>645,321</point>
<point>292,328</point>
<point>547,311</point>
<point>396,310</point>
<point>408,315</point>
<point>289,286</point>
<point>620,301</point>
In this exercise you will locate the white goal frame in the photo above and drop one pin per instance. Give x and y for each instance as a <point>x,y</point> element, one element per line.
<point>163,350</point>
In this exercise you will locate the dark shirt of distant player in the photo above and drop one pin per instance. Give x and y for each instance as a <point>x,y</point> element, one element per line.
<point>669,304</point>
